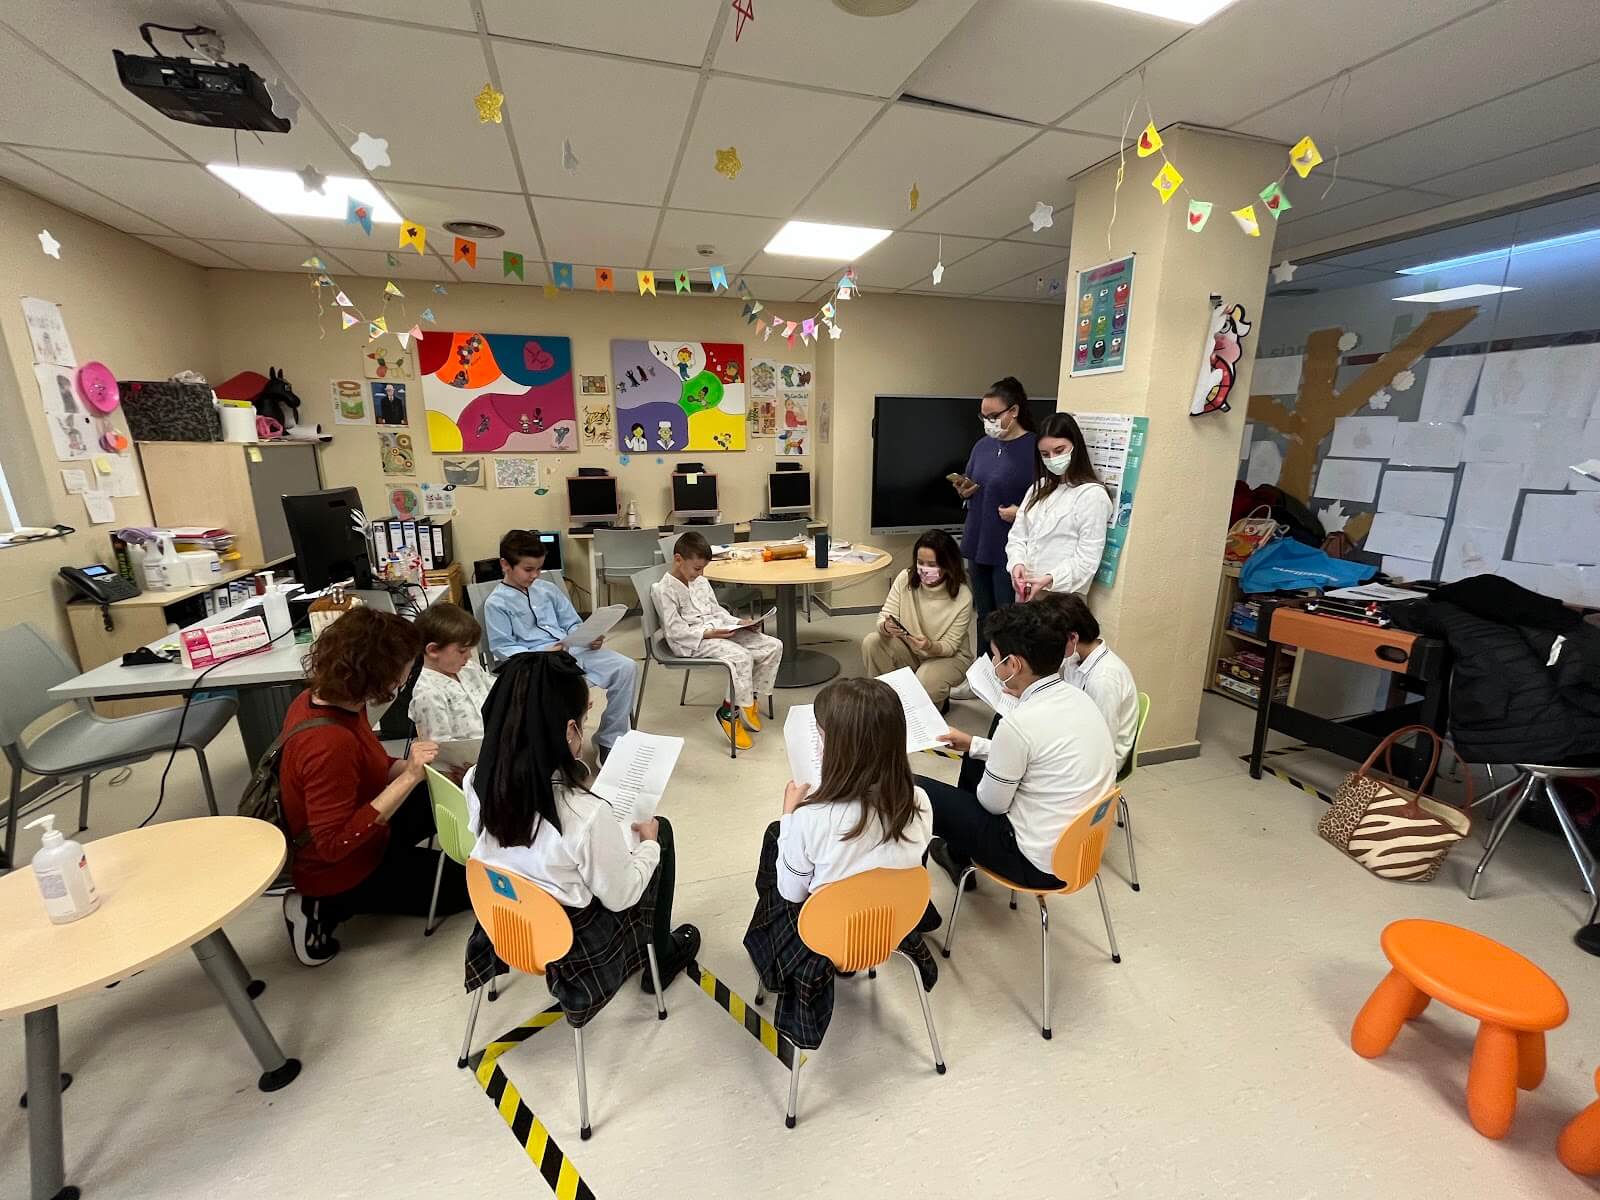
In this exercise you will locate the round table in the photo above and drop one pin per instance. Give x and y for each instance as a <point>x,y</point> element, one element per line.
<point>162,889</point>
<point>800,668</point>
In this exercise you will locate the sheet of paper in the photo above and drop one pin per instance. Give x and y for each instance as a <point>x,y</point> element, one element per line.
<point>1564,582</point>
<point>1488,494</point>
<point>923,722</point>
<point>1545,468</point>
<point>76,482</point>
<point>1498,439</point>
<point>1266,463</point>
<point>636,774</point>
<point>461,754</point>
<point>1404,535</point>
<point>99,507</point>
<point>1348,479</point>
<point>48,333</point>
<point>72,434</point>
<point>804,745</point>
<point>1276,376</point>
<point>985,685</point>
<point>1558,381</point>
<point>1422,493</point>
<point>1529,575</point>
<point>1428,444</point>
<point>1409,569</point>
<point>1448,386</point>
<point>122,480</point>
<point>1585,475</point>
<point>58,392</point>
<point>1374,591</point>
<point>1559,529</point>
<point>596,625</point>
<point>752,622</point>
<point>1472,550</point>
<point>1363,437</point>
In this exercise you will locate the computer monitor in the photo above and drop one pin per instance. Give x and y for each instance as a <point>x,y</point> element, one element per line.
<point>328,547</point>
<point>694,494</point>
<point>789,493</point>
<point>592,499</point>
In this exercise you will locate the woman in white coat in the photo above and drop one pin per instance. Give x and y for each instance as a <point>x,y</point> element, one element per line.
<point>1060,531</point>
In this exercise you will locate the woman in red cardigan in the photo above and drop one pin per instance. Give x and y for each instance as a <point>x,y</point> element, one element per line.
<point>354,814</point>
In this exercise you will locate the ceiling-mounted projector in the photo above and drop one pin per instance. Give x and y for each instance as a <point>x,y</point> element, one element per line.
<point>209,91</point>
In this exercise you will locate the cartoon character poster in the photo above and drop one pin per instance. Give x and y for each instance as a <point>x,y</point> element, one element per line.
<point>1105,294</point>
<point>1219,362</point>
<point>679,396</point>
<point>502,392</point>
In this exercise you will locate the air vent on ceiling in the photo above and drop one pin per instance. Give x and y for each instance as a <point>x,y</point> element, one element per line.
<point>874,8</point>
<point>480,230</point>
<point>1293,291</point>
<point>946,106</point>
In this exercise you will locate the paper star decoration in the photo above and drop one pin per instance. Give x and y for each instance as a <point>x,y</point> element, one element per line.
<point>1349,341</point>
<point>914,199</point>
<point>1284,271</point>
<point>311,179</point>
<point>1333,517</point>
<point>488,103</point>
<point>835,332</point>
<point>49,244</point>
<point>1042,216</point>
<point>569,160</point>
<point>938,273</point>
<point>372,151</point>
<point>285,104</point>
<point>1403,381</point>
<point>728,162</point>
<point>1380,399</point>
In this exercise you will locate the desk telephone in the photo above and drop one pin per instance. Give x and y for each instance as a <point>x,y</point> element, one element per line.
<point>98,584</point>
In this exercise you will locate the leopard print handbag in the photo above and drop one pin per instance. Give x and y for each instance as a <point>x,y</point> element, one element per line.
<point>1391,831</point>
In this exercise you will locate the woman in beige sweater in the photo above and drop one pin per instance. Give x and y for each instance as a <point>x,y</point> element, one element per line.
<point>926,621</point>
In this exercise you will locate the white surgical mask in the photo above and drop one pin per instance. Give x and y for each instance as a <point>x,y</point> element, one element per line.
<point>992,427</point>
<point>1057,464</point>
<point>930,575</point>
<point>1006,682</point>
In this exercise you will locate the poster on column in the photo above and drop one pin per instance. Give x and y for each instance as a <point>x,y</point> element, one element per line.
<point>1100,342</point>
<point>1116,448</point>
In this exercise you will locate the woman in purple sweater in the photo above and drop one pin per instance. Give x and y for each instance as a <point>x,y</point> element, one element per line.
<point>999,470</point>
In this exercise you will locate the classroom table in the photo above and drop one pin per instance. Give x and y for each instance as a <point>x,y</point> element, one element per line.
<point>800,667</point>
<point>163,888</point>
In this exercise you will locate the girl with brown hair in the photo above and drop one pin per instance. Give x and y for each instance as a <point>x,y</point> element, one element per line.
<point>926,620</point>
<point>1059,533</point>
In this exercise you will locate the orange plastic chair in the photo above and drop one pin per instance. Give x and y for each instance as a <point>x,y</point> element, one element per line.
<point>1514,1002</point>
<point>530,930</point>
<point>1075,862</point>
<point>1579,1145</point>
<point>857,923</point>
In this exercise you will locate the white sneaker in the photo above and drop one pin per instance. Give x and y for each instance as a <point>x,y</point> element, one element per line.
<point>962,691</point>
<point>313,944</point>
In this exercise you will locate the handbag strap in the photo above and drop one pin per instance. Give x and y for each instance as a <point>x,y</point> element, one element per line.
<point>1386,747</point>
<point>1265,509</point>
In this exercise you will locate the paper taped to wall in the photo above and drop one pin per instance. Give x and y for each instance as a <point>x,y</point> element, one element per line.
<point>1363,437</point>
<point>1404,535</point>
<point>1559,381</point>
<point>1559,529</point>
<point>1421,493</point>
<point>1276,376</point>
<point>1428,444</point>
<point>1449,387</point>
<point>1498,439</point>
<point>1348,479</point>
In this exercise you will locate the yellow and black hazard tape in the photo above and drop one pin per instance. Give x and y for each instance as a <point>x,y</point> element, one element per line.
<point>749,1017</point>
<point>552,1163</point>
<point>1279,752</point>
<point>1279,773</point>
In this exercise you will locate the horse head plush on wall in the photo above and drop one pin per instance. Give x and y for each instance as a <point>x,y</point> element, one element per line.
<point>277,400</point>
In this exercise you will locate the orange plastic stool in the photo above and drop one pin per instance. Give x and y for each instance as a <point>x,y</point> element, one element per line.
<point>1514,1002</point>
<point>1579,1145</point>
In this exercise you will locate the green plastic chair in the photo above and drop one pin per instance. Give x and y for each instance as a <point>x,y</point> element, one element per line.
<point>455,839</point>
<point>1123,818</point>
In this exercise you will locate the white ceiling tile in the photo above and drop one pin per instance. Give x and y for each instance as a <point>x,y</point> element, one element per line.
<point>675,31</point>
<point>1257,52</point>
<point>796,268</point>
<point>1306,194</point>
<point>1356,216</point>
<point>448,14</point>
<point>182,196</point>
<point>1000,200</point>
<point>906,258</point>
<point>786,137</point>
<point>820,44</point>
<point>580,231</point>
<point>992,266</point>
<point>374,264</point>
<point>737,239</point>
<point>938,151</point>
<point>625,144</point>
<point>196,252</point>
<point>42,181</point>
<point>767,288</point>
<point>1035,288</point>
<point>432,207</point>
<point>411,86</point>
<point>1032,38</point>
<point>268,256</point>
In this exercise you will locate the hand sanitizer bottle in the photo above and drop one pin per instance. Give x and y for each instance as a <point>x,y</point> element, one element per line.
<point>62,872</point>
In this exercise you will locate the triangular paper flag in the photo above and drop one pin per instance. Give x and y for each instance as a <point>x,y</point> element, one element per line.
<point>413,235</point>
<point>373,332</point>
<point>1304,155</point>
<point>427,315</point>
<point>777,321</point>
<point>808,327</point>
<point>755,305</point>
<point>1199,214</point>
<point>719,279</point>
<point>827,312</point>
<point>343,301</point>
<point>314,264</point>
<point>380,324</point>
<point>1272,196</point>
<point>1149,141</point>
<point>389,289</point>
<point>605,279</point>
<point>766,332</point>
<point>511,264</point>
<point>1246,217</point>
<point>404,339</point>
<point>749,315</point>
<point>680,281</point>
<point>647,282</point>
<point>415,331</point>
<point>388,257</point>
<point>324,281</point>
<point>1166,181</point>
<point>788,330</point>
<point>359,214</point>
<point>466,251</point>
<point>349,319</point>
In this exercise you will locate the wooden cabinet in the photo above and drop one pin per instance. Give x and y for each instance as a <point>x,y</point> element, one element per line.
<point>231,486</point>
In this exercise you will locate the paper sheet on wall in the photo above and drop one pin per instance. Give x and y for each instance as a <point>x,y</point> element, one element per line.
<point>1488,494</point>
<point>1265,463</point>
<point>1428,444</point>
<point>1363,437</point>
<point>636,774</point>
<point>99,507</point>
<point>72,434</point>
<point>47,332</point>
<point>1277,376</point>
<point>1545,467</point>
<point>1498,439</point>
<point>1348,479</point>
<point>1409,569</point>
<point>1472,550</point>
<point>1116,445</point>
<point>923,722</point>
<point>122,481</point>
<point>1421,493</point>
<point>804,745</point>
<point>1587,449</point>
<point>1404,535</point>
<point>1448,387</point>
<point>1559,381</point>
<point>57,393</point>
<point>76,482</point>
<point>1559,529</point>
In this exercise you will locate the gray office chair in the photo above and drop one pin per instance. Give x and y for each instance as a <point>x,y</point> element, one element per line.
<point>657,650</point>
<point>82,744</point>
<point>717,535</point>
<point>380,599</point>
<point>620,553</point>
<point>778,531</point>
<point>735,597</point>
<point>477,597</point>
<point>664,547</point>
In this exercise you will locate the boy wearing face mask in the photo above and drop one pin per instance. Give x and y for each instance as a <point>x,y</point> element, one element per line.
<point>1050,759</point>
<point>1059,534</point>
<point>926,619</point>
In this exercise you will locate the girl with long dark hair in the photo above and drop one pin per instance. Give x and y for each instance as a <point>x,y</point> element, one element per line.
<point>997,474</point>
<point>926,621</point>
<point>1060,531</point>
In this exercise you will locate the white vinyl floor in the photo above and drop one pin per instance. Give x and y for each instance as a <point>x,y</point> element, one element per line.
<point>1213,1062</point>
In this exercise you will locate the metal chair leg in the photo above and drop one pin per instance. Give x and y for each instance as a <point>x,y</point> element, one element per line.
<point>83,804</point>
<point>433,904</point>
<point>1126,821</point>
<point>205,780</point>
<point>472,1022</point>
<point>927,1012</point>
<point>1044,965</point>
<point>638,700</point>
<point>1105,911</point>
<point>655,982</point>
<point>1013,902</point>
<point>1499,834</point>
<point>8,860</point>
<point>1570,832</point>
<point>949,943</point>
<point>733,717</point>
<point>794,1091</point>
<point>583,1086</point>
<point>1492,798</point>
<point>683,694</point>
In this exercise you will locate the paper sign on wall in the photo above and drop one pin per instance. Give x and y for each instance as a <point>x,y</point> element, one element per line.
<point>1347,479</point>
<point>1116,446</point>
<point>1105,296</point>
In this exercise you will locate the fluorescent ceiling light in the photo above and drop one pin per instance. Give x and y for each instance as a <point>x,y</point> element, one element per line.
<point>1190,12</point>
<point>1470,260</point>
<point>1464,292</point>
<point>283,193</point>
<point>807,239</point>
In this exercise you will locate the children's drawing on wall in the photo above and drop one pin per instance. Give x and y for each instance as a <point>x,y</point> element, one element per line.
<point>348,398</point>
<point>463,472</point>
<point>594,385</point>
<point>388,362</point>
<point>683,395</point>
<point>1218,368</point>
<point>794,408</point>
<point>498,391</point>
<point>405,501</point>
<point>56,388</point>
<point>824,420</point>
<point>597,425</point>
<point>764,398</point>
<point>72,434</point>
<point>437,500</point>
<point>636,440</point>
<point>516,472</point>
<point>396,452</point>
<point>792,442</point>
<point>389,403</point>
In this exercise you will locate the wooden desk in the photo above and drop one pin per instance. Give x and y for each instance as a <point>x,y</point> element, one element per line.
<point>800,668</point>
<point>1418,664</point>
<point>163,889</point>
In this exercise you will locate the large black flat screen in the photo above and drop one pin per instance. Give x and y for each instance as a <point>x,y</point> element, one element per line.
<point>916,442</point>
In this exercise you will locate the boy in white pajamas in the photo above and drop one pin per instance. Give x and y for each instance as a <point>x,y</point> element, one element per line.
<point>697,626</point>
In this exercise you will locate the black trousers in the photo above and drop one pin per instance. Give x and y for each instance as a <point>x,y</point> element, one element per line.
<point>976,835</point>
<point>402,885</point>
<point>667,877</point>
<point>972,768</point>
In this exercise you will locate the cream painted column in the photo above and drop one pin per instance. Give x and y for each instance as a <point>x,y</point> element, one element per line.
<point>1158,614</point>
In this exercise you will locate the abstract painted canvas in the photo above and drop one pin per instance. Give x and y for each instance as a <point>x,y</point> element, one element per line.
<point>677,396</point>
<point>500,392</point>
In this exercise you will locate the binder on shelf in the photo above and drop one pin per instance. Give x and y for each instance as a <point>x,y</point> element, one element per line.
<point>425,543</point>
<point>410,528</point>
<point>380,541</point>
<point>444,548</point>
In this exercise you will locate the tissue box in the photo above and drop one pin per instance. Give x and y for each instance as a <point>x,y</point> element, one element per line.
<point>213,644</point>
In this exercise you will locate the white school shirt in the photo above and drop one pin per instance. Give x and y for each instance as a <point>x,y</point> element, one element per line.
<point>813,851</point>
<point>588,859</point>
<point>687,611</point>
<point>1106,680</point>
<point>1050,760</point>
<point>450,710</point>
<point>1062,536</point>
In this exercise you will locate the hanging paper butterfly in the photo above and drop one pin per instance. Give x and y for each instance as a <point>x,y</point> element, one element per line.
<point>1218,369</point>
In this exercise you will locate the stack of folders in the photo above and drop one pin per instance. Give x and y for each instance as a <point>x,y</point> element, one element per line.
<point>433,542</point>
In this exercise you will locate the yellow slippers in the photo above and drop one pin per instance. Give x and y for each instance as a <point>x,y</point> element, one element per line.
<point>731,727</point>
